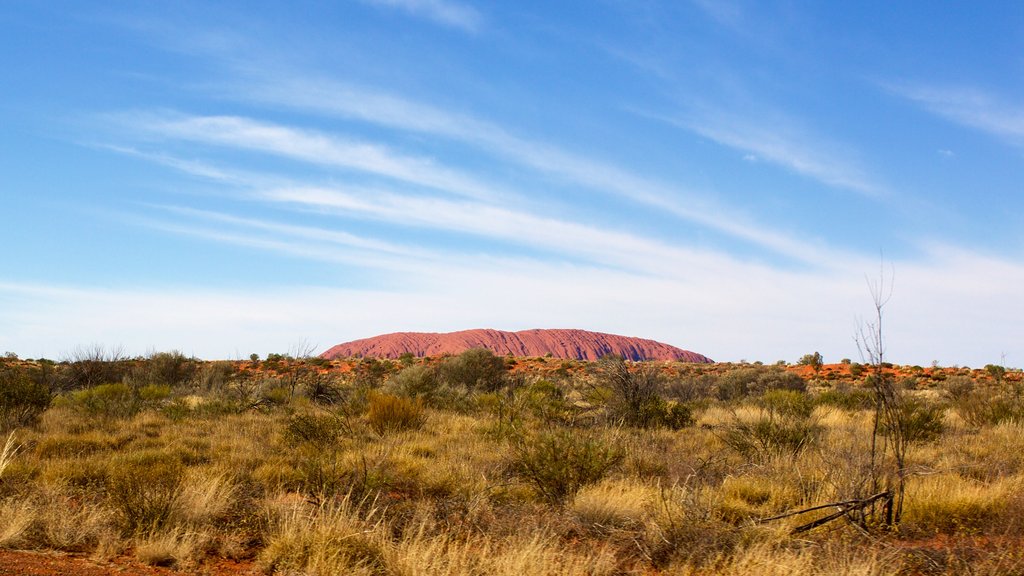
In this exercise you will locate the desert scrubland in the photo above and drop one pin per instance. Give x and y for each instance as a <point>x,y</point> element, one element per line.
<point>480,464</point>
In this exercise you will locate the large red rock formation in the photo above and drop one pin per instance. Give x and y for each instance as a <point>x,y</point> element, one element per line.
<point>574,344</point>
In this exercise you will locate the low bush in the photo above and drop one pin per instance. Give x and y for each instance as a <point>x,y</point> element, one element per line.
<point>846,398</point>
<point>22,400</point>
<point>919,420</point>
<point>558,463</point>
<point>144,490</point>
<point>741,382</point>
<point>958,388</point>
<point>783,425</point>
<point>988,408</point>
<point>116,401</point>
<point>418,381</point>
<point>476,369</point>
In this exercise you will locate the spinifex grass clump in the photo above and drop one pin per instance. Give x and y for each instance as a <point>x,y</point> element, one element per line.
<point>387,413</point>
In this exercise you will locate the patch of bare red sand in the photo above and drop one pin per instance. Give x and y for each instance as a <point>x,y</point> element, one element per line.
<point>17,563</point>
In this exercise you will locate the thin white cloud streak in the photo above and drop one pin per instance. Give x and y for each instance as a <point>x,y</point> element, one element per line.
<point>312,147</point>
<point>329,97</point>
<point>444,12</point>
<point>554,236</point>
<point>782,143</point>
<point>724,12</point>
<point>958,307</point>
<point>307,232</point>
<point>599,246</point>
<point>969,106</point>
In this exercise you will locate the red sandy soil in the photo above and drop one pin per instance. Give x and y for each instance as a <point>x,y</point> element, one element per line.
<point>570,344</point>
<point>14,563</point>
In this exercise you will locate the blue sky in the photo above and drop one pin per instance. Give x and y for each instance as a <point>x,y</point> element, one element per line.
<point>227,178</point>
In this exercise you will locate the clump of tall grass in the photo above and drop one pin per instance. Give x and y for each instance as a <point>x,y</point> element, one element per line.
<point>387,413</point>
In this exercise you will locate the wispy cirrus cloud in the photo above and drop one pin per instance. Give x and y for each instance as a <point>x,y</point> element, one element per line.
<point>968,106</point>
<point>781,141</point>
<point>326,96</point>
<point>446,12</point>
<point>312,147</point>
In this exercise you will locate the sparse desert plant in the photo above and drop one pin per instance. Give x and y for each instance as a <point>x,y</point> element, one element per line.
<point>958,388</point>
<point>145,492</point>
<point>781,425</point>
<point>987,408</point>
<point>321,431</point>
<point>557,463</point>
<point>90,366</point>
<point>387,413</point>
<point>116,401</point>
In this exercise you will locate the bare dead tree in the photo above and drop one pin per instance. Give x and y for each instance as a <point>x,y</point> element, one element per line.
<point>888,471</point>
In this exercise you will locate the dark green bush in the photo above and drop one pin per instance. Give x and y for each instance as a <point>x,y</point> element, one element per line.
<point>634,395</point>
<point>846,398</point>
<point>743,382</point>
<point>919,420</point>
<point>171,369</point>
<point>22,400</point>
<point>558,463</point>
<point>476,369</point>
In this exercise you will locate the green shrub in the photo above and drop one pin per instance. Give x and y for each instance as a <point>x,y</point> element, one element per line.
<point>776,379</point>
<point>145,492</point>
<point>547,402</point>
<point>742,382</point>
<point>172,369</point>
<point>989,408</point>
<point>107,401</point>
<point>476,369</point>
<point>735,384</point>
<point>958,388</point>
<point>418,381</point>
<point>846,398</point>
<point>788,403</point>
<point>116,401</point>
<point>387,413</point>
<point>784,426</point>
<point>920,421</point>
<point>814,360</point>
<point>22,400</point>
<point>558,463</point>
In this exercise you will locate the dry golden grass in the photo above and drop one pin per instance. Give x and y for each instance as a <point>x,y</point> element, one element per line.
<point>402,489</point>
